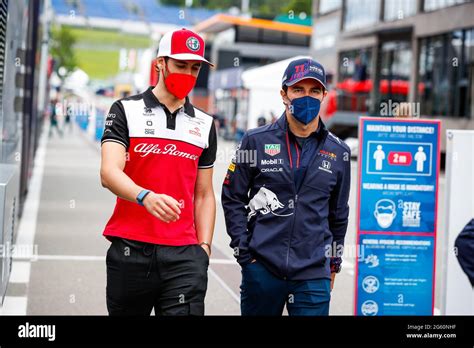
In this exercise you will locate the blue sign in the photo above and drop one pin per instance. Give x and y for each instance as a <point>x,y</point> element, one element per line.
<point>99,125</point>
<point>396,218</point>
<point>395,275</point>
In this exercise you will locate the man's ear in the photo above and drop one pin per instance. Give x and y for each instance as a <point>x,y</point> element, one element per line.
<point>160,63</point>
<point>324,95</point>
<point>284,97</point>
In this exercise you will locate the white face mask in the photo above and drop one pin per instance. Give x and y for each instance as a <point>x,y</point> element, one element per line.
<point>384,220</point>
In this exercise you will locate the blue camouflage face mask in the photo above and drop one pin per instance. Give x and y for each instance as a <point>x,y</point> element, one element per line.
<point>305,109</point>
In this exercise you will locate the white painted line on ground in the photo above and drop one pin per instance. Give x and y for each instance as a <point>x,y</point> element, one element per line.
<point>102,258</point>
<point>26,232</point>
<point>20,272</point>
<point>14,306</point>
<point>224,285</point>
<point>69,258</point>
<point>27,227</point>
<point>224,262</point>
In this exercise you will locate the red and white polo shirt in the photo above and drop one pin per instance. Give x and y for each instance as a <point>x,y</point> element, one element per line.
<point>165,151</point>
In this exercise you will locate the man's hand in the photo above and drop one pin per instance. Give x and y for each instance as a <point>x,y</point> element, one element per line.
<point>206,249</point>
<point>164,207</point>
<point>333,276</point>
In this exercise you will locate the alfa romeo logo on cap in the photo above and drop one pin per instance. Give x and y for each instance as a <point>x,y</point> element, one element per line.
<point>193,44</point>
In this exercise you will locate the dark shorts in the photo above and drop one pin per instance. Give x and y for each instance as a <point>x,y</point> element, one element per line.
<point>143,276</point>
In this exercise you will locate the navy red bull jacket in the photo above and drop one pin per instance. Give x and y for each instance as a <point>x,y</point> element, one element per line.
<point>297,233</point>
<point>465,250</point>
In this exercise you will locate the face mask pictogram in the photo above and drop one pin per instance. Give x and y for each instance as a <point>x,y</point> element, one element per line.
<point>385,212</point>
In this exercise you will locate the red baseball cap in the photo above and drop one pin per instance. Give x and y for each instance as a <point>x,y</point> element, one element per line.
<point>182,44</point>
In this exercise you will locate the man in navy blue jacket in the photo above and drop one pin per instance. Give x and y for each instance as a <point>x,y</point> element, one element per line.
<point>285,202</point>
<point>465,250</point>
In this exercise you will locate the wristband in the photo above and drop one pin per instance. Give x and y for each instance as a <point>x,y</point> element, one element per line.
<point>141,196</point>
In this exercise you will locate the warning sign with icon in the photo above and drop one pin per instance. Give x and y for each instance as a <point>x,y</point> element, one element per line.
<point>396,217</point>
<point>398,175</point>
<point>399,158</point>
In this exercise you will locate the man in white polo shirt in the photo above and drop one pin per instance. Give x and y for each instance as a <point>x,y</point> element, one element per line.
<point>158,153</point>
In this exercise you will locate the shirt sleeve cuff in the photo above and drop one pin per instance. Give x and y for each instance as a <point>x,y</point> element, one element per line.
<point>206,166</point>
<point>336,264</point>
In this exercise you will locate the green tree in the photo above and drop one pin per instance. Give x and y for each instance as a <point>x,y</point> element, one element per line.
<point>298,6</point>
<point>209,4</point>
<point>265,8</point>
<point>62,48</point>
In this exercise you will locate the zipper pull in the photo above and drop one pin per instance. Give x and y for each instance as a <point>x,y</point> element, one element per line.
<point>296,198</point>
